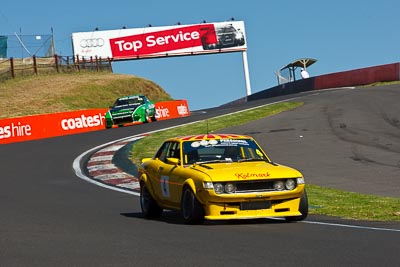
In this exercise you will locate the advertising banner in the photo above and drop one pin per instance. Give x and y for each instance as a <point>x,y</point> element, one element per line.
<point>65,123</point>
<point>50,125</point>
<point>172,109</point>
<point>165,41</point>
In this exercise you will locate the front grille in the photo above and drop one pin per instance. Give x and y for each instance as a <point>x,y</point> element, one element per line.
<point>122,120</point>
<point>122,115</point>
<point>227,40</point>
<point>254,186</point>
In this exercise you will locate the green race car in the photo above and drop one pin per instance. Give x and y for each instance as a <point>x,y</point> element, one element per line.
<point>128,109</point>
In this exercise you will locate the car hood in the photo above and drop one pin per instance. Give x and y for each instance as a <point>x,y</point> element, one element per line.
<point>239,171</point>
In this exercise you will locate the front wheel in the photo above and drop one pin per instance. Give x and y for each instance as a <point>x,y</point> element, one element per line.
<point>303,208</point>
<point>146,117</point>
<point>149,206</point>
<point>109,124</point>
<point>192,210</point>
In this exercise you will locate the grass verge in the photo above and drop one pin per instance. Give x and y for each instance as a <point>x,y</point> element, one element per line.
<point>323,201</point>
<point>350,205</point>
<point>70,92</point>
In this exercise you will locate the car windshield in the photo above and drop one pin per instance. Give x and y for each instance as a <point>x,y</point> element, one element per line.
<point>222,150</point>
<point>226,29</point>
<point>128,101</point>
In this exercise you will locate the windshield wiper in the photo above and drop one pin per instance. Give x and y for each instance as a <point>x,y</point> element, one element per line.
<point>253,159</point>
<point>204,163</point>
<point>213,161</point>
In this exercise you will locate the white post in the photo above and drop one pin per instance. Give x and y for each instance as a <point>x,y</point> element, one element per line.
<point>246,73</point>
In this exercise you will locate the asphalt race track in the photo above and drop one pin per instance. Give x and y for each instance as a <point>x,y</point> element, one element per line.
<point>346,139</point>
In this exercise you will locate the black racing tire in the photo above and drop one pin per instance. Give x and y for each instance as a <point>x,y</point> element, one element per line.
<point>109,124</point>
<point>146,118</point>
<point>150,208</point>
<point>303,208</point>
<point>191,209</point>
<point>153,119</point>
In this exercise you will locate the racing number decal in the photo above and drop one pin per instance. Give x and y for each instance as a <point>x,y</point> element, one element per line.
<point>165,186</point>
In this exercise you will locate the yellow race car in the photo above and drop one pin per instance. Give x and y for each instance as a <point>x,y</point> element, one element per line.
<point>219,177</point>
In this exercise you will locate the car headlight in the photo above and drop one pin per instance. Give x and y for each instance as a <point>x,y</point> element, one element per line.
<point>218,188</point>
<point>208,185</point>
<point>290,184</point>
<point>230,188</point>
<point>300,180</point>
<point>238,36</point>
<point>279,185</point>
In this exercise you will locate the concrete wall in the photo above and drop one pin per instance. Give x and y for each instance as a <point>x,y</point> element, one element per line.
<point>284,89</point>
<point>382,73</point>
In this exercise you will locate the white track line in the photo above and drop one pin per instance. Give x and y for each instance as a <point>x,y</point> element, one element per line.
<point>77,162</point>
<point>78,171</point>
<point>353,226</point>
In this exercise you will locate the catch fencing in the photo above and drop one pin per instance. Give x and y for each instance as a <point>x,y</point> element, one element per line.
<point>12,68</point>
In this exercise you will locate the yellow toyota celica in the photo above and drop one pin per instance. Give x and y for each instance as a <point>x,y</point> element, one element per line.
<point>219,177</point>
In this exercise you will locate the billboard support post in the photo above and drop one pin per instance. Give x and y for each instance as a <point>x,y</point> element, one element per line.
<point>246,73</point>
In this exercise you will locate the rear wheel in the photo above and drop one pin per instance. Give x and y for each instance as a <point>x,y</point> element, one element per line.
<point>303,208</point>
<point>149,206</point>
<point>192,210</point>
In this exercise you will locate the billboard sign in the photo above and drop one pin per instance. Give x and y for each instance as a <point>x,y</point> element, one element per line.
<point>177,40</point>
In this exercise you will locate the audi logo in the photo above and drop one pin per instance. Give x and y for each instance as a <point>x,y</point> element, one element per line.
<point>95,42</point>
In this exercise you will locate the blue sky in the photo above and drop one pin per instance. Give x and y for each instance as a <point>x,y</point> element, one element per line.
<point>341,35</point>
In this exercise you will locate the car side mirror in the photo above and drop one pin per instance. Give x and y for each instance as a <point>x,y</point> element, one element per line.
<point>145,159</point>
<point>173,161</point>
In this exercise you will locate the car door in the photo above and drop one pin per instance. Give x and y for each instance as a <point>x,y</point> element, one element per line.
<point>166,174</point>
<point>155,169</point>
<point>173,176</point>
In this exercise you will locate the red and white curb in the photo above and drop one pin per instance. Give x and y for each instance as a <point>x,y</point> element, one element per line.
<point>101,168</point>
<point>103,172</point>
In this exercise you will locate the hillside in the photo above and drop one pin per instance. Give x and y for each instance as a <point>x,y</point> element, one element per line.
<point>71,91</point>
